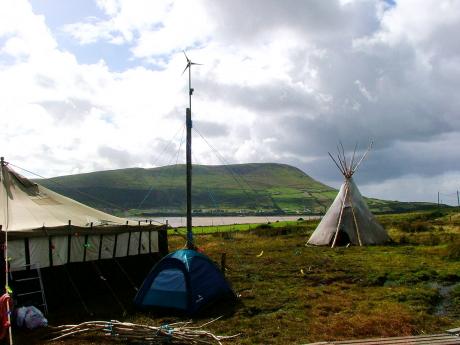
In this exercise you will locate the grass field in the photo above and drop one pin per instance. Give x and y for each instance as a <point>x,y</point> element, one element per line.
<point>199,230</point>
<point>293,294</point>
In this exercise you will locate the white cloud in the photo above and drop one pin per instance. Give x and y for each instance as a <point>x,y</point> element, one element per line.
<point>127,19</point>
<point>279,82</point>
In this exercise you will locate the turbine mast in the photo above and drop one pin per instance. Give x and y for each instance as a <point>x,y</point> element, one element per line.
<point>188,121</point>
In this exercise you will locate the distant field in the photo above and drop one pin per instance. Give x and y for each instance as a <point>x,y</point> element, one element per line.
<point>293,294</point>
<point>230,227</point>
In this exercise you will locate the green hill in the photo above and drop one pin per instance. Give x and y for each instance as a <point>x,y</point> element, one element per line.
<point>227,189</point>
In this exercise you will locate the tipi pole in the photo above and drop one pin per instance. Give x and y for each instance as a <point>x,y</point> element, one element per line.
<point>5,253</point>
<point>353,157</point>
<point>356,223</point>
<point>341,213</point>
<point>340,169</point>
<point>344,157</point>
<point>364,156</point>
<point>343,170</point>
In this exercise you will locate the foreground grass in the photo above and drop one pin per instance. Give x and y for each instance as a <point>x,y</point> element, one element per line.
<point>291,293</point>
<point>294,294</point>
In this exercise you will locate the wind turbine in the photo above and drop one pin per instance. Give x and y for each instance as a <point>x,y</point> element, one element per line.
<point>202,279</point>
<point>190,244</point>
<point>190,89</point>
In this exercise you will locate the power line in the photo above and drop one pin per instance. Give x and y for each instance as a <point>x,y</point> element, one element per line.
<point>108,203</point>
<point>182,126</point>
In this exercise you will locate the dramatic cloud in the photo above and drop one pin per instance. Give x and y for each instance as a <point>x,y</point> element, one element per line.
<point>280,81</point>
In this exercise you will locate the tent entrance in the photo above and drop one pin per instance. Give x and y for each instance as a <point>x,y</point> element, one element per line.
<point>342,239</point>
<point>346,223</point>
<point>168,289</point>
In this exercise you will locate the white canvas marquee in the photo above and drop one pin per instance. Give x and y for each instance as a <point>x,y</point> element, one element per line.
<point>49,229</point>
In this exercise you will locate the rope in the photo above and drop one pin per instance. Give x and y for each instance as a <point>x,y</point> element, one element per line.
<point>184,205</point>
<point>101,276</point>
<point>158,157</point>
<point>173,174</point>
<point>237,255</point>
<point>127,276</point>
<point>211,196</point>
<point>108,203</point>
<point>112,291</point>
<point>233,174</point>
<point>180,147</point>
<point>80,297</point>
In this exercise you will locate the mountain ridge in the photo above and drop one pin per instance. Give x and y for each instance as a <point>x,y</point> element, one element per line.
<point>251,188</point>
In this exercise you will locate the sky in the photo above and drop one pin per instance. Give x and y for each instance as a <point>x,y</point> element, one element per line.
<point>88,85</point>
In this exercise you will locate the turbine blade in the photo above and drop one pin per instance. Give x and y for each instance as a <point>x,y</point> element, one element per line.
<point>188,60</point>
<point>188,66</point>
<point>196,63</point>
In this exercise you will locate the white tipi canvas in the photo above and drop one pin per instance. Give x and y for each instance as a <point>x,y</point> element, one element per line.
<point>359,229</point>
<point>348,220</point>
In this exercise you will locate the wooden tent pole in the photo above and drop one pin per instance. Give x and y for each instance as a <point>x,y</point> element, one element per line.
<point>340,169</point>
<point>341,164</point>
<point>356,223</point>
<point>341,213</point>
<point>364,156</point>
<point>5,253</point>
<point>353,158</point>
<point>344,157</point>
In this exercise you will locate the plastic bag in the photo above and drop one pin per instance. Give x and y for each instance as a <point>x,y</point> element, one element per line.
<point>30,317</point>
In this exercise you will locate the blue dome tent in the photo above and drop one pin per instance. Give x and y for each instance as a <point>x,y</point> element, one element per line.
<point>185,280</point>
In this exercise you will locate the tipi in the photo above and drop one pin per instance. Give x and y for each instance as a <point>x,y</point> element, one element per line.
<point>348,220</point>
